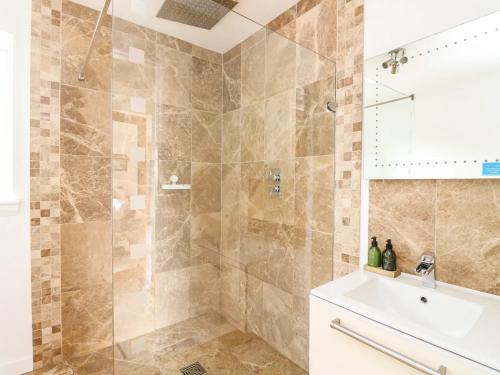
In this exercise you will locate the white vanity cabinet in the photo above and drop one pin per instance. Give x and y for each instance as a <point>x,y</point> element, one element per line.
<point>333,352</point>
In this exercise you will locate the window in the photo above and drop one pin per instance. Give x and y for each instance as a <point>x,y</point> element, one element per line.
<point>6,115</point>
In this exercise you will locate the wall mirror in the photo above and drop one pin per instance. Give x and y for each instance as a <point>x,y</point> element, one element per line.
<point>432,107</point>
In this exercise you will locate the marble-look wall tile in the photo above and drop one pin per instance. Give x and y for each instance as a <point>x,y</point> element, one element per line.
<point>280,64</point>
<point>173,249</point>
<point>279,132</point>
<point>206,137</point>
<point>185,293</point>
<point>174,77</point>
<point>230,226</point>
<point>205,237</point>
<point>314,187</point>
<point>76,35</point>
<point>172,203</point>
<point>204,289</point>
<point>468,233</point>
<point>87,320</point>
<point>164,40</point>
<point>255,38</point>
<point>86,122</point>
<point>450,216</point>
<point>252,192</point>
<point>206,92</point>
<point>143,36</point>
<point>404,211</point>
<point>206,181</point>
<point>313,261</point>
<point>304,6</point>
<point>132,307</point>
<point>171,297</point>
<point>130,39</point>
<point>74,9</point>
<point>232,53</point>
<point>174,133</point>
<point>233,287</point>
<point>85,255</point>
<point>231,137</point>
<point>299,345</point>
<point>312,68</point>
<point>252,132</point>
<point>285,23</point>
<point>271,264</point>
<point>254,305</point>
<point>86,189</point>
<point>277,325</point>
<point>206,54</point>
<point>231,71</point>
<point>133,79</point>
<point>315,136</point>
<point>253,73</point>
<point>317,28</point>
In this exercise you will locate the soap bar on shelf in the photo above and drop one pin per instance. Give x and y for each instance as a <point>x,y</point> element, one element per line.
<point>381,271</point>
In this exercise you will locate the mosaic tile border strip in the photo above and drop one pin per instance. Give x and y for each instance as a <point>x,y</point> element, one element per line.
<point>45,182</point>
<point>349,119</point>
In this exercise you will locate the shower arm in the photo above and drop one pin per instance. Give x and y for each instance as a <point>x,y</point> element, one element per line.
<point>100,19</point>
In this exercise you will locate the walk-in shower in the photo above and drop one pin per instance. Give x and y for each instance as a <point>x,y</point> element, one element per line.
<point>211,269</point>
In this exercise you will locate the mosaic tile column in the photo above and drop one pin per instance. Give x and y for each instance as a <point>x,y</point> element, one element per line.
<point>348,135</point>
<point>45,182</point>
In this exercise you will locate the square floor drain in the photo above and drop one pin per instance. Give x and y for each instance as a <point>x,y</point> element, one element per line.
<point>193,369</point>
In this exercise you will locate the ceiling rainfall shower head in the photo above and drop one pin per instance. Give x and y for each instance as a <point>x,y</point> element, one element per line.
<point>199,13</point>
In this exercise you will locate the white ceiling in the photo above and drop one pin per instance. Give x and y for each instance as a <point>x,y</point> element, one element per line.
<point>391,24</point>
<point>235,27</point>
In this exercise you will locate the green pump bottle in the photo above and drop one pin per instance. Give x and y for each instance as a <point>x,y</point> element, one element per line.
<point>389,257</point>
<point>374,254</point>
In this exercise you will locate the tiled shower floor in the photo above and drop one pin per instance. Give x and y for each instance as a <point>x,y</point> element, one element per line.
<point>208,339</point>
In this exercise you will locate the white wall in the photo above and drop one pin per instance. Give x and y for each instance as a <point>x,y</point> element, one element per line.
<point>393,23</point>
<point>15,269</point>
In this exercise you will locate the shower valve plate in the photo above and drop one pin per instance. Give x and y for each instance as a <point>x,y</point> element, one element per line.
<point>193,369</point>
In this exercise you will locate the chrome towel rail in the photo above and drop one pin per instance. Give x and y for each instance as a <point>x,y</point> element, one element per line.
<point>412,97</point>
<point>336,325</point>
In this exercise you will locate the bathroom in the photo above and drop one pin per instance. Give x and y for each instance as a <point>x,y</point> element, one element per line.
<point>191,187</point>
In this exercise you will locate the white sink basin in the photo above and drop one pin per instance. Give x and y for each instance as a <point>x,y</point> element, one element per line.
<point>460,320</point>
<point>450,315</point>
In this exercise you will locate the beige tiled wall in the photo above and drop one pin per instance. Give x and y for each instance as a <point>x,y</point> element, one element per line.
<point>85,154</point>
<point>189,94</point>
<point>166,243</point>
<point>221,123</point>
<point>275,249</point>
<point>457,220</point>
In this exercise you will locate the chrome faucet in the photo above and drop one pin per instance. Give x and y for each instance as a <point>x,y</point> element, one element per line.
<point>426,268</point>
